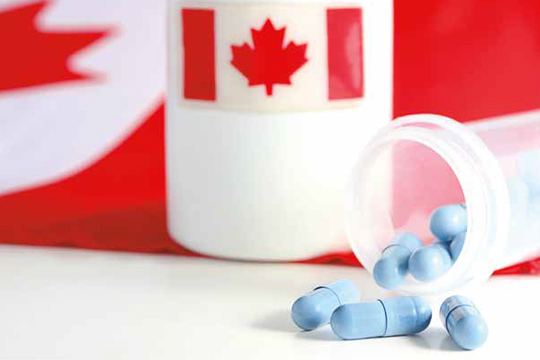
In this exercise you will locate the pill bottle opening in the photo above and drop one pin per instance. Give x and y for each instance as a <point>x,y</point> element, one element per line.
<point>413,166</point>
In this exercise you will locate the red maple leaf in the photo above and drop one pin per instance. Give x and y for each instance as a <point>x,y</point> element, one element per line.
<point>268,62</point>
<point>32,57</point>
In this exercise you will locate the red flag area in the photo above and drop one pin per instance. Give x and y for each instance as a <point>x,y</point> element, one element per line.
<point>32,56</point>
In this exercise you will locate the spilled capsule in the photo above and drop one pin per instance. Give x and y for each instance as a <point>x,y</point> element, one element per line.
<point>315,308</point>
<point>464,323</point>
<point>381,318</point>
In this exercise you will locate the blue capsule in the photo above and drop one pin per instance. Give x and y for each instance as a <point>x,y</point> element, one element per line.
<point>381,318</point>
<point>314,309</point>
<point>430,262</point>
<point>448,221</point>
<point>393,266</point>
<point>457,245</point>
<point>464,322</point>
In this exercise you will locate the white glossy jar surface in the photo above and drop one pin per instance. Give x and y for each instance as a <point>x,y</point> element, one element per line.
<point>260,177</point>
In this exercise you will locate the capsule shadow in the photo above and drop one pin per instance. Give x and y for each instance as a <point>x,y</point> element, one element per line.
<point>279,321</point>
<point>434,339</point>
<point>322,334</point>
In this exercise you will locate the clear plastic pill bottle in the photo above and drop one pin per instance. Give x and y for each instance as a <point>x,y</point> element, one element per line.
<point>420,162</point>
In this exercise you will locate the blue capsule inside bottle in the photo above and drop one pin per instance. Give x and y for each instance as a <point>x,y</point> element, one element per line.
<point>392,268</point>
<point>430,262</point>
<point>448,221</point>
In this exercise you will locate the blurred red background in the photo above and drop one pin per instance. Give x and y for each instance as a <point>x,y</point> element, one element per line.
<point>468,60</point>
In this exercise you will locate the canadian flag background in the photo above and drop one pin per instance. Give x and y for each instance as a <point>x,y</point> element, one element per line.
<point>81,107</point>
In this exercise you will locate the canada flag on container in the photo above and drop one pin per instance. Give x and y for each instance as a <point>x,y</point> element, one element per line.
<point>270,57</point>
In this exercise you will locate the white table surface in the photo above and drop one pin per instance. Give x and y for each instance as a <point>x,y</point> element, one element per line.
<point>75,304</point>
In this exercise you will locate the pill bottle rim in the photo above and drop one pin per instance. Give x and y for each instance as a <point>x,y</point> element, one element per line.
<point>484,189</point>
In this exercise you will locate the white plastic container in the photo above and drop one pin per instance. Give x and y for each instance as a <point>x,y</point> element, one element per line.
<point>491,166</point>
<point>262,176</point>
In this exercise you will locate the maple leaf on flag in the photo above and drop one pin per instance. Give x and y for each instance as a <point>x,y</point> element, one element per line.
<point>268,63</point>
<point>32,57</point>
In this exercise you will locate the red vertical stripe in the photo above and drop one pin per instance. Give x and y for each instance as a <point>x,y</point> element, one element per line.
<point>199,54</point>
<point>345,65</point>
